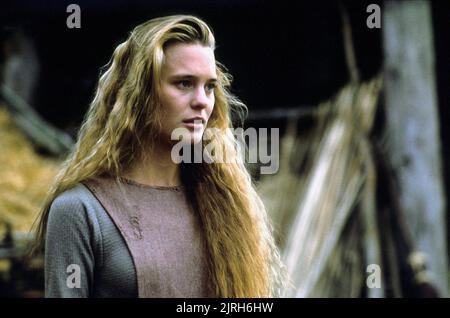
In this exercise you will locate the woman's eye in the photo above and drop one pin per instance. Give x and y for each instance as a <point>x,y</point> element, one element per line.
<point>211,86</point>
<point>184,84</point>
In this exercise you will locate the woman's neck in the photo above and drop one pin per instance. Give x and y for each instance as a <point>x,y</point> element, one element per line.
<point>155,169</point>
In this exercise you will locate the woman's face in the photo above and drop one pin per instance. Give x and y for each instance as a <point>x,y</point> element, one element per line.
<point>188,78</point>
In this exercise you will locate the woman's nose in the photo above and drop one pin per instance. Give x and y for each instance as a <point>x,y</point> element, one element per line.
<point>200,99</point>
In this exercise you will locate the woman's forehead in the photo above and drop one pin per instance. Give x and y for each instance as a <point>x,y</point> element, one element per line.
<point>189,59</point>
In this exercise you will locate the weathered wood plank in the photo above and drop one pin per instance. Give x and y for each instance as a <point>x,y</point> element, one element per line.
<point>412,128</point>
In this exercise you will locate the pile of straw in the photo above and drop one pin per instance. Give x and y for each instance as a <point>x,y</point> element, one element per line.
<point>323,198</point>
<point>25,177</point>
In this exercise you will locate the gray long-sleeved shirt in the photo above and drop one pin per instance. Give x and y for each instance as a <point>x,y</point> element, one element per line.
<point>80,232</point>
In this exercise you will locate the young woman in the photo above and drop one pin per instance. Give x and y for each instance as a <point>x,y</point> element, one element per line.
<point>123,219</point>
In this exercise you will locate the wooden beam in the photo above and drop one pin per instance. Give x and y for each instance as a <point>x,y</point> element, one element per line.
<point>33,126</point>
<point>412,127</point>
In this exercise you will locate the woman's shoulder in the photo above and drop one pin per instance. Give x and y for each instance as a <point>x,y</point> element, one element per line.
<point>76,202</point>
<point>73,197</point>
<point>75,210</point>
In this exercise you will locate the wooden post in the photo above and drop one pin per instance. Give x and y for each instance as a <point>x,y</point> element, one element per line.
<point>412,127</point>
<point>33,126</point>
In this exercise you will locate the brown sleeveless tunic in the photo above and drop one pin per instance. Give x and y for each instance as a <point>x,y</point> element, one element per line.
<point>163,234</point>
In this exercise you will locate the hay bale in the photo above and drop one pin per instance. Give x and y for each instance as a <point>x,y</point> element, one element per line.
<point>25,176</point>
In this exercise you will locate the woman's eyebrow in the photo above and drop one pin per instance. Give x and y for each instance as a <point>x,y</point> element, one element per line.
<point>191,77</point>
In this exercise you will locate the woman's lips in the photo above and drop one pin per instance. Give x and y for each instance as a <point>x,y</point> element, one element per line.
<point>193,124</point>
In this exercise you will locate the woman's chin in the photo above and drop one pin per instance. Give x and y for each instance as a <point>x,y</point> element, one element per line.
<point>191,138</point>
<point>196,137</point>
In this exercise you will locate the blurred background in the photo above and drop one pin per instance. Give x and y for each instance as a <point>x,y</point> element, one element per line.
<point>359,204</point>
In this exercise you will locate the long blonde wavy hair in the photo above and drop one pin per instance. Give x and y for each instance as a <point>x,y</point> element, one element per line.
<point>123,122</point>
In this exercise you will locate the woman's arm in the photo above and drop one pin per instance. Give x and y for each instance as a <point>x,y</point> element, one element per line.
<point>69,254</point>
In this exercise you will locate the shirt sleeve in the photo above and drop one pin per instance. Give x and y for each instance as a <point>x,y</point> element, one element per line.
<point>69,252</point>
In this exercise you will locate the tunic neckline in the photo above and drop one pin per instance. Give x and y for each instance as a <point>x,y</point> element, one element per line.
<point>146,186</point>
